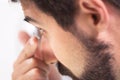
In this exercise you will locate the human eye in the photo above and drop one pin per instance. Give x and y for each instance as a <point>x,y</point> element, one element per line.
<point>33,29</point>
<point>40,31</point>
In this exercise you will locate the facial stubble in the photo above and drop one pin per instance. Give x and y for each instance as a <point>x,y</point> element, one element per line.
<point>99,63</point>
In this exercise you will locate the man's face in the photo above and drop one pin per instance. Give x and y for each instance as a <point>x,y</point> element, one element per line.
<point>84,56</point>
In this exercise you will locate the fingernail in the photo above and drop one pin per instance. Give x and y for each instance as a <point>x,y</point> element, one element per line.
<point>32,41</point>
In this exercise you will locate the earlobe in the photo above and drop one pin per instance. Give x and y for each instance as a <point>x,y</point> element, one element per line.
<point>97,10</point>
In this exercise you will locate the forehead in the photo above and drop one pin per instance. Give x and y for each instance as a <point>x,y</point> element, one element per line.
<point>25,3</point>
<point>32,11</point>
<point>28,6</point>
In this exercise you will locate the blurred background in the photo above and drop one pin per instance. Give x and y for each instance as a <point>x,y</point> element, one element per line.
<point>10,23</point>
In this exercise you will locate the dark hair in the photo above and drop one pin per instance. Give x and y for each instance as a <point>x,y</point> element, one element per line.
<point>63,10</point>
<point>115,3</point>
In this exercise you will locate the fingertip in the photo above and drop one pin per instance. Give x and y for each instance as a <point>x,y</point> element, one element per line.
<point>33,40</point>
<point>23,37</point>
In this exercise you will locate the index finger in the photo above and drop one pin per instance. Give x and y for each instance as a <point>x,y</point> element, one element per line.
<point>28,50</point>
<point>23,37</point>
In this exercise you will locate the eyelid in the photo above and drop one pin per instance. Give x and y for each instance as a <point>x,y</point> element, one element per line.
<point>39,30</point>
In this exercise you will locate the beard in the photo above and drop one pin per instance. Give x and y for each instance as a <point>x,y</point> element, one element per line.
<point>99,63</point>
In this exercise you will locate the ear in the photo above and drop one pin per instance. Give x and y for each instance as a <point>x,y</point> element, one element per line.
<point>98,12</point>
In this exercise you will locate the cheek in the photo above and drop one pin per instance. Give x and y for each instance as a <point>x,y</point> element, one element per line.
<point>65,46</point>
<point>61,43</point>
<point>68,51</point>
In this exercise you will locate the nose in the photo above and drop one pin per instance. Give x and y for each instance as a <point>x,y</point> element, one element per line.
<point>45,51</point>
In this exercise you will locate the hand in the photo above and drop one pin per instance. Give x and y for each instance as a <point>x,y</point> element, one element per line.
<point>27,67</point>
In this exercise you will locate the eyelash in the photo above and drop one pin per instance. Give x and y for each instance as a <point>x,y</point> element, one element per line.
<point>40,31</point>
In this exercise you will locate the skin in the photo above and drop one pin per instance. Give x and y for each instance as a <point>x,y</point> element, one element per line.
<point>65,46</point>
<point>34,67</point>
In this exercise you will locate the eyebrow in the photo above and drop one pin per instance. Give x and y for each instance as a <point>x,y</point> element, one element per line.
<point>29,19</point>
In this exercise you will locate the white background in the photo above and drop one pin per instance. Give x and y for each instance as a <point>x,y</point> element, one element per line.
<point>10,21</point>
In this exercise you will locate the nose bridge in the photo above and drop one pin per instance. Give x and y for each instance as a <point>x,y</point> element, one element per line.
<point>44,44</point>
<point>46,50</point>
